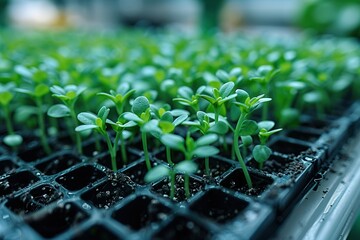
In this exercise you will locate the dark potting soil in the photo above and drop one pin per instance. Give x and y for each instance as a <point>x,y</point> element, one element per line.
<point>137,172</point>
<point>304,136</point>
<point>236,182</point>
<point>163,188</point>
<point>16,181</point>
<point>105,160</point>
<point>33,154</point>
<point>280,166</point>
<point>286,147</point>
<point>50,222</point>
<point>176,156</point>
<point>217,167</point>
<point>58,163</point>
<point>80,177</point>
<point>114,189</point>
<point>7,166</point>
<point>34,200</point>
<point>142,212</point>
<point>97,231</point>
<point>219,206</point>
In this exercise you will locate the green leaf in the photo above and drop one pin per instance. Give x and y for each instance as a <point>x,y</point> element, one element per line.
<point>41,90</point>
<point>249,127</point>
<point>266,124</point>
<point>179,112</point>
<point>167,116</point>
<point>58,111</point>
<point>140,105</point>
<point>87,118</point>
<point>220,128</point>
<point>57,90</point>
<point>23,71</point>
<point>166,127</point>
<point>261,153</point>
<point>173,141</point>
<point>208,98</point>
<point>226,89</point>
<point>13,140</point>
<point>185,92</point>
<point>5,98</point>
<point>179,120</point>
<point>207,139</point>
<point>85,127</point>
<point>156,173</point>
<point>206,151</point>
<point>241,95</point>
<point>222,75</point>
<point>25,91</point>
<point>246,140</point>
<point>132,117</point>
<point>186,166</point>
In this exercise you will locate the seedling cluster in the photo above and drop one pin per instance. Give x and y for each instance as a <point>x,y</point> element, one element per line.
<point>193,96</point>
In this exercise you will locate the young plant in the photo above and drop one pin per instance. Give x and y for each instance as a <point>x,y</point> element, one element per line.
<point>244,126</point>
<point>187,97</point>
<point>261,152</point>
<point>98,123</point>
<point>11,139</point>
<point>200,148</point>
<point>160,171</point>
<point>39,92</point>
<point>205,126</point>
<point>68,95</point>
<point>219,98</point>
<point>141,115</point>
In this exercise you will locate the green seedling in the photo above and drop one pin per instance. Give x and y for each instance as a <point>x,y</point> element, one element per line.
<point>187,97</point>
<point>200,148</point>
<point>205,126</point>
<point>244,126</point>
<point>167,124</point>
<point>141,115</point>
<point>68,95</point>
<point>261,152</point>
<point>160,171</point>
<point>11,139</point>
<point>98,123</point>
<point>38,93</point>
<point>219,98</point>
<point>235,75</point>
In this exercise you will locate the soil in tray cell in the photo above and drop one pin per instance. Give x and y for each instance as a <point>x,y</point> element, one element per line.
<point>163,188</point>
<point>280,166</point>
<point>34,200</point>
<point>57,164</point>
<point>52,222</point>
<point>142,212</point>
<point>236,181</point>
<point>91,150</point>
<point>33,154</point>
<point>7,166</point>
<point>80,177</point>
<point>219,206</point>
<point>17,181</point>
<point>217,167</point>
<point>114,189</point>
<point>105,160</point>
<point>97,231</point>
<point>286,147</point>
<point>137,172</point>
<point>182,228</point>
<point>176,156</point>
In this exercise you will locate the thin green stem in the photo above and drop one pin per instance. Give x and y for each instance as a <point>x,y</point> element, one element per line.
<point>77,134</point>
<point>207,167</point>
<point>146,151</point>
<point>168,156</point>
<point>172,184</point>
<point>123,149</point>
<point>237,150</point>
<point>41,121</point>
<point>112,151</point>
<point>261,165</point>
<point>187,185</point>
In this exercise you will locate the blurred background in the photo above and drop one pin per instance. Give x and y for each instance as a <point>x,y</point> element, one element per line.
<point>340,17</point>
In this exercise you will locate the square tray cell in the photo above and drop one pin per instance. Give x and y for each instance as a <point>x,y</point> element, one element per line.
<point>183,228</point>
<point>58,163</point>
<point>105,159</point>
<point>176,156</point>
<point>110,192</point>
<point>33,154</point>
<point>217,167</point>
<point>96,231</point>
<point>137,172</point>
<point>34,200</point>
<point>7,166</point>
<point>310,137</point>
<point>163,187</point>
<point>141,212</point>
<point>52,222</point>
<point>236,182</point>
<point>287,147</point>
<point>80,177</point>
<point>219,206</point>
<point>15,182</point>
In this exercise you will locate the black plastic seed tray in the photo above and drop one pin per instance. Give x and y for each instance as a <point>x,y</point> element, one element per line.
<point>67,196</point>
